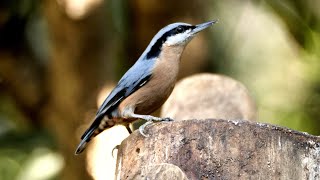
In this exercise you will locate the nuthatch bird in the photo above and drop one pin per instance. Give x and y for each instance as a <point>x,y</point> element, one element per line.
<point>147,84</point>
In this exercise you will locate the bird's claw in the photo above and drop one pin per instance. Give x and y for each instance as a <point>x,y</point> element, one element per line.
<point>141,128</point>
<point>115,148</point>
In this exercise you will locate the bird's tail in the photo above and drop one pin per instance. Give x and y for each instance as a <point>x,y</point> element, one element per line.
<point>85,139</point>
<point>98,125</point>
<point>91,132</point>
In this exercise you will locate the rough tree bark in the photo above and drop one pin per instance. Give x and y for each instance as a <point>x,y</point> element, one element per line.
<point>219,149</point>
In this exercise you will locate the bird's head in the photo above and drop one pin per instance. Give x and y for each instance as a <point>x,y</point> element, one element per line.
<point>182,33</point>
<point>176,34</point>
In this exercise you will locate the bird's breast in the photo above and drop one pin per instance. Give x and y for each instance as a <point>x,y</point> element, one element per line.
<point>155,92</point>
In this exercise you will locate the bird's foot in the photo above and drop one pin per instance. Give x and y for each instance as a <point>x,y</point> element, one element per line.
<point>141,128</point>
<point>153,120</point>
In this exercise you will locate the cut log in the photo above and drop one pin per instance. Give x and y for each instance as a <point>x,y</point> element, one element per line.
<point>218,149</point>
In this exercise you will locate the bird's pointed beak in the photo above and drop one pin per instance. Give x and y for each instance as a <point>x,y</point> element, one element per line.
<point>203,26</point>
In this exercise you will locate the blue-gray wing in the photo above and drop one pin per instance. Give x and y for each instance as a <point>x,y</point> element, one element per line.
<point>137,76</point>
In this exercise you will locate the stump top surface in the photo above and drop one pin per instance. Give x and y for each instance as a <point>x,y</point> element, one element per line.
<point>220,149</point>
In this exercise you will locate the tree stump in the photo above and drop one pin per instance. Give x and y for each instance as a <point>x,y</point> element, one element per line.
<point>218,149</point>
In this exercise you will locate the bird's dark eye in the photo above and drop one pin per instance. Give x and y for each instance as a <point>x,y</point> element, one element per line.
<point>180,29</point>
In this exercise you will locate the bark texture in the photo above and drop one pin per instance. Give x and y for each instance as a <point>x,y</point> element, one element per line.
<point>219,149</point>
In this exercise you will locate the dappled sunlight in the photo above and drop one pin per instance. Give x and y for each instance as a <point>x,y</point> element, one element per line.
<point>77,9</point>
<point>42,164</point>
<point>101,161</point>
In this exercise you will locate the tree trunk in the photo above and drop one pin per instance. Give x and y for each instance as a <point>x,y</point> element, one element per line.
<point>77,68</point>
<point>219,149</point>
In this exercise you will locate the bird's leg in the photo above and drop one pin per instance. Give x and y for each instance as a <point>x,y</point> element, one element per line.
<point>150,118</point>
<point>128,128</point>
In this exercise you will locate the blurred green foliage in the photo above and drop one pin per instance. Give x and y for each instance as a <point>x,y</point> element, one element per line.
<point>273,47</point>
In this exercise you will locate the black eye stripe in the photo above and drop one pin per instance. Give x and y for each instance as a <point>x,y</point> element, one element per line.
<point>156,48</point>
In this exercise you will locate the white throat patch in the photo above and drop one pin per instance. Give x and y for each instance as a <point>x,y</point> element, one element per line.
<point>180,38</point>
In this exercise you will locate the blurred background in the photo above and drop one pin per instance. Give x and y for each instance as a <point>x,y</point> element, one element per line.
<point>59,58</point>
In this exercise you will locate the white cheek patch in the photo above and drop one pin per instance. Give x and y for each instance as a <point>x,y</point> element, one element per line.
<point>178,38</point>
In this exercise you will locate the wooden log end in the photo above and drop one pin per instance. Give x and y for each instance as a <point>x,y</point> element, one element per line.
<point>219,149</point>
